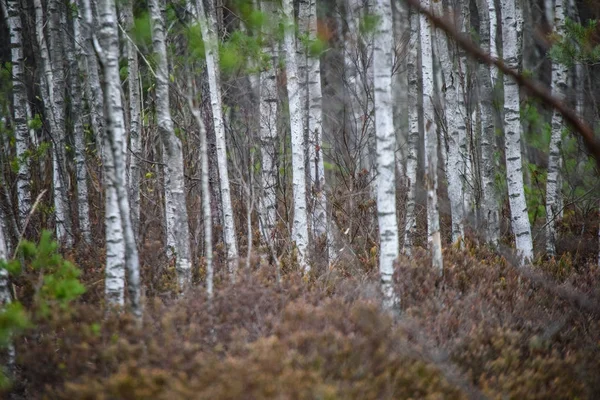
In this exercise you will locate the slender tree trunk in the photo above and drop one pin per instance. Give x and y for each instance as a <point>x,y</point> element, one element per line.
<point>268,135</point>
<point>52,94</point>
<point>511,29</point>
<point>386,147</point>
<point>315,136</point>
<point>135,123</point>
<point>178,238</point>
<point>5,296</point>
<point>489,206</point>
<point>77,63</point>
<point>115,136</point>
<point>20,105</point>
<point>300,224</point>
<point>456,131</point>
<point>431,141</point>
<point>493,18</point>
<point>208,24</point>
<point>553,189</point>
<point>206,209</point>
<point>413,134</point>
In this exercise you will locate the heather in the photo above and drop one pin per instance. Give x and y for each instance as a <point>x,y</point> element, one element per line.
<point>485,329</point>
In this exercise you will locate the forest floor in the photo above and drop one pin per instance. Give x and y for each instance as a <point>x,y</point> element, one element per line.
<point>484,330</point>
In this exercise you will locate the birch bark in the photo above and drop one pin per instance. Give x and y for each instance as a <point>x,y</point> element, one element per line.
<point>268,132</point>
<point>386,148</point>
<point>300,223</point>
<point>413,134</point>
<point>456,130</point>
<point>178,238</point>
<point>20,105</point>
<point>115,137</point>
<point>489,206</point>
<point>511,31</point>
<point>206,208</point>
<point>430,130</point>
<point>135,123</point>
<point>553,190</point>
<point>76,58</point>
<point>53,97</point>
<point>208,24</point>
<point>315,135</point>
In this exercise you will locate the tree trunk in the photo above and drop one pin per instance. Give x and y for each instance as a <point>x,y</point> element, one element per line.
<point>553,189</point>
<point>208,24</point>
<point>456,130</point>
<point>20,105</point>
<point>431,142</point>
<point>268,135</point>
<point>135,123</point>
<point>115,136</point>
<point>511,30</point>
<point>489,206</point>
<point>53,97</point>
<point>316,167</point>
<point>386,148</point>
<point>300,224</point>
<point>178,237</point>
<point>413,134</point>
<point>76,57</point>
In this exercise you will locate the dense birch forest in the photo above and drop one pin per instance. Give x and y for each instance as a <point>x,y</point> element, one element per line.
<point>299,199</point>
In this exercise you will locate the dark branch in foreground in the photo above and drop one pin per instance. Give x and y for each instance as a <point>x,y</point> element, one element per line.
<point>535,88</point>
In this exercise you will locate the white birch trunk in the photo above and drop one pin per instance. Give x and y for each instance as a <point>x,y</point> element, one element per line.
<point>553,190</point>
<point>115,136</point>
<point>5,291</point>
<point>20,105</point>
<point>493,18</point>
<point>430,140</point>
<point>206,210</point>
<point>413,134</point>
<point>178,237</point>
<point>268,135</point>
<point>78,66</point>
<point>5,296</point>
<point>135,123</point>
<point>300,223</point>
<point>52,94</point>
<point>511,29</point>
<point>489,206</point>
<point>315,136</point>
<point>456,131</point>
<point>386,147</point>
<point>208,24</point>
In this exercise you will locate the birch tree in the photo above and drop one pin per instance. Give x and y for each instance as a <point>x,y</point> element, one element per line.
<point>489,204</point>
<point>19,91</point>
<point>386,147</point>
<point>77,63</point>
<point>115,137</point>
<point>511,31</point>
<point>315,135</point>
<point>208,26</point>
<point>268,130</point>
<point>206,210</point>
<point>300,223</point>
<point>553,190</point>
<point>178,238</point>
<point>135,123</point>
<point>53,85</point>
<point>413,132</point>
<point>431,147</point>
<point>454,111</point>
